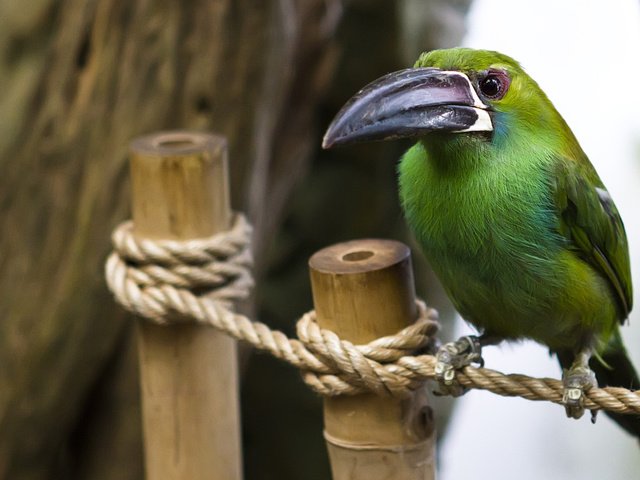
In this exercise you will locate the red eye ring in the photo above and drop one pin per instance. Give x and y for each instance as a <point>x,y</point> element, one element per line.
<point>494,84</point>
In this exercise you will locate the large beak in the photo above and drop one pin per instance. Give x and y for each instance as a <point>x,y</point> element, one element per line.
<point>410,103</point>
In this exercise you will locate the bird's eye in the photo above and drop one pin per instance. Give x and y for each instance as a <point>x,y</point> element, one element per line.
<point>494,85</point>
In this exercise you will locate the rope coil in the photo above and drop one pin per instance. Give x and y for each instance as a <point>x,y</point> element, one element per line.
<point>168,281</point>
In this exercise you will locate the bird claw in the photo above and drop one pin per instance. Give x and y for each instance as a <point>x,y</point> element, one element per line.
<point>577,381</point>
<point>453,356</point>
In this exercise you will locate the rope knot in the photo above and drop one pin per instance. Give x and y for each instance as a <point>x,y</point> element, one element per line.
<point>350,369</point>
<point>158,279</point>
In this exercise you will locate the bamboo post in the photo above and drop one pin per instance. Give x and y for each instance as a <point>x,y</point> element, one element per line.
<point>363,290</point>
<point>188,373</point>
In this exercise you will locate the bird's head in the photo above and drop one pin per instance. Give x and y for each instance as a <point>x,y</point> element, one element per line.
<point>452,91</point>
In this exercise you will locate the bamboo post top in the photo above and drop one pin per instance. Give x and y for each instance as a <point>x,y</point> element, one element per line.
<point>359,256</point>
<point>180,185</point>
<point>363,289</point>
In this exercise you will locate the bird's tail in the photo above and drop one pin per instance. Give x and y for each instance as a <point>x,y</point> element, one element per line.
<point>613,368</point>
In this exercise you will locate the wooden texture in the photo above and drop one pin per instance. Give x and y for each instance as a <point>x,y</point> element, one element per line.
<point>363,290</point>
<point>188,373</point>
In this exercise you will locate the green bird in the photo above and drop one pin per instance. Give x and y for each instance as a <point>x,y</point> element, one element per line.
<point>509,211</point>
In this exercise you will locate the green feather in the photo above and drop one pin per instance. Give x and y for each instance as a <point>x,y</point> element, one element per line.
<point>592,224</point>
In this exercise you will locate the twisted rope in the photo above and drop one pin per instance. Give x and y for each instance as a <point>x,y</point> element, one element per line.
<point>197,280</point>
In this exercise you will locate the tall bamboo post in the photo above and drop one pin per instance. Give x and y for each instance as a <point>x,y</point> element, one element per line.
<point>188,373</point>
<point>363,290</point>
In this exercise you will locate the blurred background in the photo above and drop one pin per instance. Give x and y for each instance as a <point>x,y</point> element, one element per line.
<point>79,79</point>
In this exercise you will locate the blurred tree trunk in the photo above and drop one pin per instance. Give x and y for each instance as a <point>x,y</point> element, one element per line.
<point>79,79</point>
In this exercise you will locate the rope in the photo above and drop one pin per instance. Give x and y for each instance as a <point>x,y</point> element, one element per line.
<point>168,281</point>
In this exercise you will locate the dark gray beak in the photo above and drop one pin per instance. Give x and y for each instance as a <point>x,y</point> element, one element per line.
<point>409,103</point>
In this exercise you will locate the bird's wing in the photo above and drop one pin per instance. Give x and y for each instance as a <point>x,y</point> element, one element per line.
<point>590,221</point>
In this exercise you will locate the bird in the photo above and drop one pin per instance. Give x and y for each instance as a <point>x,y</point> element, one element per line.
<point>510,213</point>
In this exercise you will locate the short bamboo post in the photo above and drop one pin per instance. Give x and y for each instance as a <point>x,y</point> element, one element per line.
<point>363,290</point>
<point>188,373</point>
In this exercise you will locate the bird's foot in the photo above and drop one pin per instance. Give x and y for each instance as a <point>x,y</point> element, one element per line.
<point>453,356</point>
<point>576,381</point>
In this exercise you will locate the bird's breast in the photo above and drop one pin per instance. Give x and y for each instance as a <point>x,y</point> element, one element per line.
<point>492,238</point>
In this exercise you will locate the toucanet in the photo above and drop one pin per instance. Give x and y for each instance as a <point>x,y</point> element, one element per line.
<point>509,212</point>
